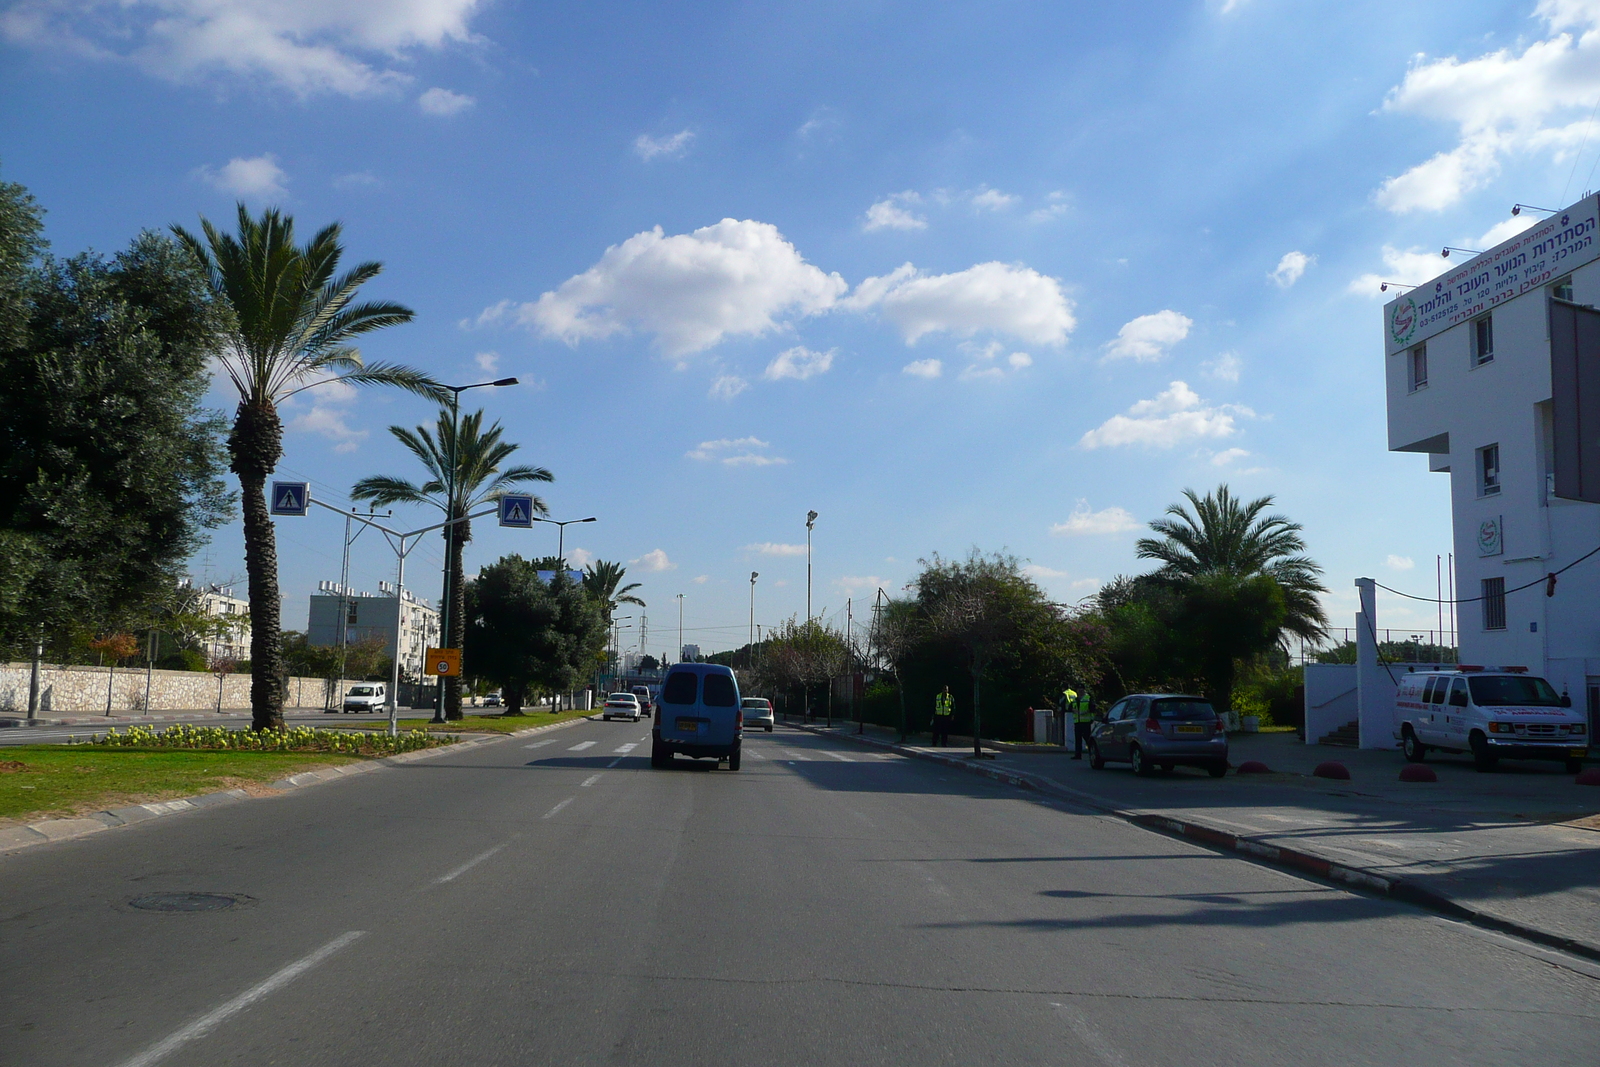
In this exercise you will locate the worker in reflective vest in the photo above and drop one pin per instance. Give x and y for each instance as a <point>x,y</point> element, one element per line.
<point>944,710</point>
<point>1081,708</point>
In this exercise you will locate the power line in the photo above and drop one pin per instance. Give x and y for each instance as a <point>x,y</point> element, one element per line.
<point>1473,600</point>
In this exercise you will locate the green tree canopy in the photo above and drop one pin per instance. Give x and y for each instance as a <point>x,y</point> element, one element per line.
<point>602,580</point>
<point>110,470</point>
<point>528,636</point>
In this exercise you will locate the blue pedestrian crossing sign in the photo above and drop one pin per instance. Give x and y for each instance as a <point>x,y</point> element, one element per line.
<point>290,498</point>
<point>516,509</point>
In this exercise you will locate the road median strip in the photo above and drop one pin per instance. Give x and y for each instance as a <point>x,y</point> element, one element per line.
<point>44,831</point>
<point>1300,862</point>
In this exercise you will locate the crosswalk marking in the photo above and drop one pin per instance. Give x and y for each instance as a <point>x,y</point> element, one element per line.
<point>591,780</point>
<point>541,744</point>
<point>581,745</point>
<point>625,749</point>
<point>792,754</point>
<point>836,756</point>
<point>757,755</point>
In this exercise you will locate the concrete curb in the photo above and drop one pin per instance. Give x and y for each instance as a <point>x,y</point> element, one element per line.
<point>15,838</point>
<point>1399,889</point>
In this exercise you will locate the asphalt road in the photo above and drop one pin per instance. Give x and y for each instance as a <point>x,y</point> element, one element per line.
<point>565,904</point>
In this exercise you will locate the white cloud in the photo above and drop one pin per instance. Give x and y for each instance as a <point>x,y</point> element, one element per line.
<point>1227,456</point>
<point>1018,360</point>
<point>654,560</point>
<point>329,416</point>
<point>438,101</point>
<point>851,584</point>
<point>1225,368</point>
<point>1174,416</point>
<point>1416,265</point>
<point>728,386</point>
<point>735,452</point>
<point>689,290</point>
<point>254,177</point>
<point>984,366</point>
<point>1502,104</point>
<point>1034,570</point>
<point>772,548</point>
<point>1054,207</point>
<point>890,213</point>
<point>799,363</point>
<point>1148,337</point>
<point>304,46</point>
<point>488,362</point>
<point>923,368</point>
<point>701,579</point>
<point>1000,298</point>
<point>1399,563</point>
<point>993,200</point>
<point>672,146</point>
<point>1082,521</point>
<point>1290,268</point>
<point>579,557</point>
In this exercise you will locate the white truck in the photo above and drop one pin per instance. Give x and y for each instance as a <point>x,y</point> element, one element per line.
<point>1494,713</point>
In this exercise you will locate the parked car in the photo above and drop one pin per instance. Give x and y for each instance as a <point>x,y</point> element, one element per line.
<point>699,716</point>
<point>621,706</point>
<point>645,703</point>
<point>757,712</point>
<point>1494,713</point>
<point>1165,730</point>
<point>492,700</point>
<point>368,696</point>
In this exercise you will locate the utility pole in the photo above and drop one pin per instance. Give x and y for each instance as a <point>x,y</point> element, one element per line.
<point>33,674</point>
<point>811,518</point>
<point>679,658</point>
<point>344,600</point>
<point>753,576</point>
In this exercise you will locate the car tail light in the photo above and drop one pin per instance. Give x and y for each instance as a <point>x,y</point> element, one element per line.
<point>1218,726</point>
<point>1152,725</point>
<point>738,720</point>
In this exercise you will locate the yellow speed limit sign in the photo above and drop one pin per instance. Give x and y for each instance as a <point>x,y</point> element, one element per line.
<point>445,662</point>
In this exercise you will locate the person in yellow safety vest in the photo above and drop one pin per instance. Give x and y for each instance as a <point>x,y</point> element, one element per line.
<point>944,711</point>
<point>1081,708</point>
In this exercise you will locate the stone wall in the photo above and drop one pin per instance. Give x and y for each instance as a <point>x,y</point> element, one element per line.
<point>79,690</point>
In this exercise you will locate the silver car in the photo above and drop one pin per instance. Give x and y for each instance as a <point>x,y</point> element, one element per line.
<point>757,712</point>
<point>1150,730</point>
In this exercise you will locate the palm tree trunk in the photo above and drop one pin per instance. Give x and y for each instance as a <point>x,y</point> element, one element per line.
<point>256,445</point>
<point>458,615</point>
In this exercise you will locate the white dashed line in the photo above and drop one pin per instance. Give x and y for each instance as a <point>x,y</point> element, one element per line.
<point>757,755</point>
<point>591,780</point>
<point>557,808</point>
<point>541,744</point>
<point>467,866</point>
<point>794,757</point>
<point>629,747</point>
<point>836,756</point>
<point>581,745</point>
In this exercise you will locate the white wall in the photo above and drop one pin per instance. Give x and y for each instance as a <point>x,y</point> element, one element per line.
<point>1330,698</point>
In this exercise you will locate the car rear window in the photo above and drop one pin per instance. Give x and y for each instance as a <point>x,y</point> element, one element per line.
<point>680,688</point>
<point>1182,710</point>
<point>756,702</point>
<point>720,691</point>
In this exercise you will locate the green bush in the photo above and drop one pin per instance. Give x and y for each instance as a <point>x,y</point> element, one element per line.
<point>299,739</point>
<point>185,659</point>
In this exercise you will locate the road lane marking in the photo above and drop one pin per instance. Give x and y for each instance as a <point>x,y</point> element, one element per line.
<point>557,808</point>
<point>591,780</point>
<point>541,744</point>
<point>467,866</point>
<point>209,1021</point>
<point>629,747</point>
<point>613,763</point>
<point>757,755</point>
<point>793,756</point>
<point>581,745</point>
<point>836,755</point>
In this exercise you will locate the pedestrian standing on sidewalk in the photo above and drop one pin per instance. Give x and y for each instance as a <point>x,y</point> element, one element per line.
<point>1082,708</point>
<point>944,710</point>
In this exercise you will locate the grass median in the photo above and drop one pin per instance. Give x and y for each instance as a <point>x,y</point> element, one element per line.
<point>498,723</point>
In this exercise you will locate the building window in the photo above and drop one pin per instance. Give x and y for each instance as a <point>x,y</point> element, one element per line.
<point>1482,340</point>
<point>1419,367</point>
<point>1489,470</point>
<point>1562,289</point>
<point>350,616</point>
<point>1494,603</point>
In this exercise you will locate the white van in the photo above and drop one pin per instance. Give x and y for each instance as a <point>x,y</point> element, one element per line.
<point>1491,712</point>
<point>366,696</point>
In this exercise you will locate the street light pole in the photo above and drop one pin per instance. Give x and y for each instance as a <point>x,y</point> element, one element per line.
<point>452,538</point>
<point>753,576</point>
<point>680,629</point>
<point>811,518</point>
<point>561,538</point>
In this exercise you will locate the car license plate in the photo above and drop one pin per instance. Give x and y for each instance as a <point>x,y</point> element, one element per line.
<point>1578,753</point>
<point>1191,729</point>
<point>688,726</point>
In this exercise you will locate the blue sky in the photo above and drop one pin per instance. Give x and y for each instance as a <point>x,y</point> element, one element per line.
<point>1005,275</point>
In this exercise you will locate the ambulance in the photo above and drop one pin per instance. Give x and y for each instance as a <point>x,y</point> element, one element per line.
<point>1492,713</point>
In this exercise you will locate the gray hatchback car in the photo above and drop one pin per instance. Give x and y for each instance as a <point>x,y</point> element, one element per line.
<point>1151,730</point>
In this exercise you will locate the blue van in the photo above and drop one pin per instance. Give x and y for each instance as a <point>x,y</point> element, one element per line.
<point>697,715</point>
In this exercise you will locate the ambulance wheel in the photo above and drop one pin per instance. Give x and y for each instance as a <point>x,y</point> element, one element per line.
<point>1415,751</point>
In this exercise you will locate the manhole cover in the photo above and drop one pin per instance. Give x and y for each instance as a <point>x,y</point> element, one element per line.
<point>184,902</point>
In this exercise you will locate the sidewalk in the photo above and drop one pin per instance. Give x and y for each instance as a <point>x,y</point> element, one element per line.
<point>88,718</point>
<point>1518,849</point>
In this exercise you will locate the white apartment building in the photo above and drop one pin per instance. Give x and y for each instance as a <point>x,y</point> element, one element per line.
<point>1474,381</point>
<point>230,641</point>
<point>368,615</point>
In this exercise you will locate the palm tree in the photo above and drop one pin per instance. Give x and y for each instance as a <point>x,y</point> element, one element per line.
<point>479,454</point>
<point>602,580</point>
<point>293,316</point>
<point>1227,537</point>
